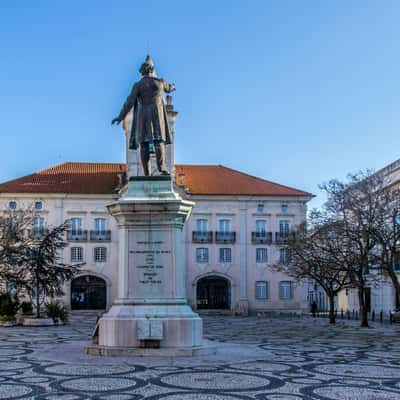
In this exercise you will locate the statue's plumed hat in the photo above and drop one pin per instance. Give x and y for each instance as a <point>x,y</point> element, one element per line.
<point>149,61</point>
<point>148,66</point>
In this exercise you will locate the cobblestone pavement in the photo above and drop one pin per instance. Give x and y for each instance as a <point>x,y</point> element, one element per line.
<point>279,358</point>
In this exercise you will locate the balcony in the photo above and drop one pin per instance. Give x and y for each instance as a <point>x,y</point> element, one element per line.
<point>283,237</point>
<point>202,237</point>
<point>79,236</point>
<point>261,237</point>
<point>38,233</point>
<point>100,236</point>
<point>225,237</point>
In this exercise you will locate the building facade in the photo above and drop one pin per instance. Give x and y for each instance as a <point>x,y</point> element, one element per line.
<point>236,231</point>
<point>380,296</point>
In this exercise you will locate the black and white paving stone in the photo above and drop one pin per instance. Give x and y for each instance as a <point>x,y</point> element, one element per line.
<point>259,359</point>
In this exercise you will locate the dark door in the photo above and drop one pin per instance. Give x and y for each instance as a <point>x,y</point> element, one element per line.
<point>367,297</point>
<point>213,293</point>
<point>88,292</point>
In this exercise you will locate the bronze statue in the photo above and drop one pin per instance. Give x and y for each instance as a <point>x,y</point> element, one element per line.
<point>149,126</point>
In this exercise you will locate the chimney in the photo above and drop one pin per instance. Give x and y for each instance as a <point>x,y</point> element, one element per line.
<point>171,117</point>
<point>171,113</point>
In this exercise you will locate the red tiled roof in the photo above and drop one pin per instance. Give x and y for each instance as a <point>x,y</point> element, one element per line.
<point>76,178</point>
<point>102,178</point>
<point>220,180</point>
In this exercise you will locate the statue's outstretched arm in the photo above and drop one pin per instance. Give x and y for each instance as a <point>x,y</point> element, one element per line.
<point>169,87</point>
<point>129,103</point>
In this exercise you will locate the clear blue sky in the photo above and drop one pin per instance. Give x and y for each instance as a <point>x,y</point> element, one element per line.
<point>293,91</point>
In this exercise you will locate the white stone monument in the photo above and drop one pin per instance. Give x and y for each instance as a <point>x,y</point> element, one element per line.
<point>150,315</point>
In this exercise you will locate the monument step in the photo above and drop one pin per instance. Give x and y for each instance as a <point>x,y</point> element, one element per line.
<point>215,312</point>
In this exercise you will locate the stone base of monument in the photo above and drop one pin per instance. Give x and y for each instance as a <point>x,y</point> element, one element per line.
<point>151,330</point>
<point>151,315</point>
<point>131,325</point>
<point>206,348</point>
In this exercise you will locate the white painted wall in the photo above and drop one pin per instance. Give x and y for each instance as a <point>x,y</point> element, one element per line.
<point>242,272</point>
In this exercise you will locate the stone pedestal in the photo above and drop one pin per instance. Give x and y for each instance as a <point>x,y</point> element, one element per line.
<point>151,309</point>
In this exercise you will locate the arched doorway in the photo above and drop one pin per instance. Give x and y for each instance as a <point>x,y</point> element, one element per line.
<point>88,292</point>
<point>213,293</point>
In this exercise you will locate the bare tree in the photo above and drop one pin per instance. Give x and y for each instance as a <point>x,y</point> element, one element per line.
<point>364,208</point>
<point>316,253</point>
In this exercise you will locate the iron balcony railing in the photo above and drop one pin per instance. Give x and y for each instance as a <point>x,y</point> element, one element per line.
<point>202,237</point>
<point>38,233</point>
<point>283,237</point>
<point>100,236</point>
<point>78,235</point>
<point>261,237</point>
<point>225,237</point>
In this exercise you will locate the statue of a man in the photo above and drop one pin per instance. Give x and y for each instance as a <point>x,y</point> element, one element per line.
<point>149,125</point>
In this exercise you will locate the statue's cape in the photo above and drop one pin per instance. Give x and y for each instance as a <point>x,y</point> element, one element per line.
<point>134,134</point>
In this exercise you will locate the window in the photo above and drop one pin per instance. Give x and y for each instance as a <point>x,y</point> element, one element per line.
<point>283,255</point>
<point>202,225</point>
<point>284,208</point>
<point>76,254</point>
<point>75,224</point>
<point>261,290</point>
<point>12,205</point>
<point>225,255</point>
<point>100,224</point>
<point>261,255</point>
<point>202,255</point>
<point>285,290</point>
<point>224,225</point>
<point>38,223</point>
<point>260,208</point>
<point>396,266</point>
<point>38,205</point>
<point>100,254</point>
<point>284,227</point>
<point>9,226</point>
<point>261,226</point>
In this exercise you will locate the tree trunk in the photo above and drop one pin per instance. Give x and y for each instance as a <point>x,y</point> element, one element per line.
<point>363,308</point>
<point>396,285</point>
<point>37,297</point>
<point>332,319</point>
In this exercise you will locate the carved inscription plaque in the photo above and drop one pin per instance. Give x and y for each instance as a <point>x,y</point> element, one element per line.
<point>149,259</point>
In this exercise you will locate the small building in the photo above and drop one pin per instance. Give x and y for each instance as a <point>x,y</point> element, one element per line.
<point>238,228</point>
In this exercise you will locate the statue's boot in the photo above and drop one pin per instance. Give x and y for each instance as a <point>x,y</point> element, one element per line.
<point>160,155</point>
<point>145,157</point>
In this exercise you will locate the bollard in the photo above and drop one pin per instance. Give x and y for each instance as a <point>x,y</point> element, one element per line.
<point>373,315</point>
<point>348,314</point>
<point>381,316</point>
<point>353,313</point>
<point>341,313</point>
<point>356,314</point>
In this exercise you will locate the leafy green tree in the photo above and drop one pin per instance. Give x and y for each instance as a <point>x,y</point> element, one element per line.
<point>30,259</point>
<point>45,274</point>
<point>14,240</point>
